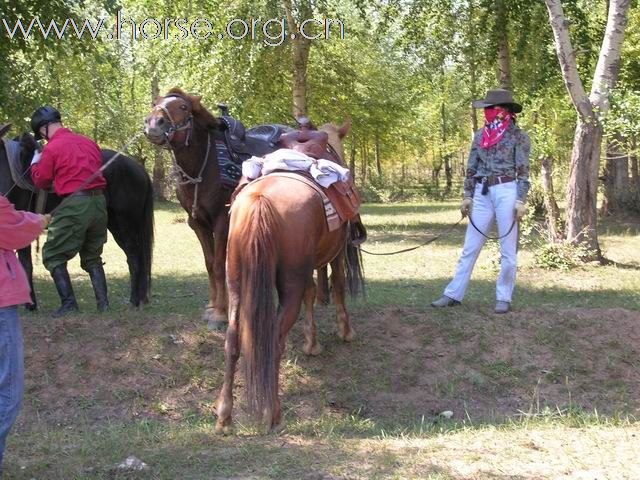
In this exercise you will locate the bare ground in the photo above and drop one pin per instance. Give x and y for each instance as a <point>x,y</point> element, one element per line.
<point>403,366</point>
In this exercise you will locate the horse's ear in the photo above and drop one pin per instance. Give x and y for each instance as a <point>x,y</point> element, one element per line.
<point>177,90</point>
<point>344,129</point>
<point>4,128</point>
<point>196,102</point>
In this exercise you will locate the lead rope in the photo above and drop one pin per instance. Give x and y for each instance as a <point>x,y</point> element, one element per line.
<point>188,179</point>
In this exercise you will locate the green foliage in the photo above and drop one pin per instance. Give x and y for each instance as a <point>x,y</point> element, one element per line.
<point>561,255</point>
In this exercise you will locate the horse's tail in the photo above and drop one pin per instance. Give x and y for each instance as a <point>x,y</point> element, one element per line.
<point>259,329</point>
<point>355,272</point>
<point>147,238</point>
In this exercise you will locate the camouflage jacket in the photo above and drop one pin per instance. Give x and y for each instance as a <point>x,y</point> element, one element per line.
<point>509,157</point>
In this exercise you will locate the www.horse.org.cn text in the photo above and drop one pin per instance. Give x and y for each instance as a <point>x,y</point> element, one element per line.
<point>273,31</point>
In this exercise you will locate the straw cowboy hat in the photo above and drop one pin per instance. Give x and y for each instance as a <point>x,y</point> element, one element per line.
<point>501,97</point>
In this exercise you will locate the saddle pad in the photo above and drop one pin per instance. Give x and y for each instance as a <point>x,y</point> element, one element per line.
<point>230,171</point>
<point>20,178</point>
<point>333,219</point>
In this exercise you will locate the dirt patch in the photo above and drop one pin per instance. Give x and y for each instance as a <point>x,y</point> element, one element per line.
<point>404,365</point>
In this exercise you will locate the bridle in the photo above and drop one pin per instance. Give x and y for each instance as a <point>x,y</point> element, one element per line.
<point>186,124</point>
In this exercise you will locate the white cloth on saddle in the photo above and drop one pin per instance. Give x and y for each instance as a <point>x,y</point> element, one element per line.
<point>325,172</point>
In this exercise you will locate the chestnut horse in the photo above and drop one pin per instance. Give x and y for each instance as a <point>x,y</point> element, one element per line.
<point>179,122</point>
<point>278,235</point>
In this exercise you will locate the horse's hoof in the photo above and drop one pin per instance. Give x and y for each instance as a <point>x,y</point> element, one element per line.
<point>222,429</point>
<point>315,350</point>
<point>215,321</point>
<point>217,326</point>
<point>348,337</point>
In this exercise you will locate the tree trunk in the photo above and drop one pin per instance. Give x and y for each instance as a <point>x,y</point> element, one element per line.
<point>365,161</point>
<point>553,212</point>
<point>582,191</point>
<point>633,160</point>
<point>585,158</point>
<point>504,58</point>
<point>159,174</point>
<point>301,49</point>
<point>377,155</point>
<point>616,177</point>
<point>352,158</point>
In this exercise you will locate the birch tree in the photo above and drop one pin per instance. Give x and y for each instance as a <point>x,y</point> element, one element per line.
<point>582,189</point>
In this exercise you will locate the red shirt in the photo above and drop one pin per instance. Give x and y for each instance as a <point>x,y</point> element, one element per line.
<point>17,230</point>
<point>69,159</point>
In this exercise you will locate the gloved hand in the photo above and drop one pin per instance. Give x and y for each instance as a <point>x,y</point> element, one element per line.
<point>465,208</point>
<point>46,220</point>
<point>36,158</point>
<point>521,210</point>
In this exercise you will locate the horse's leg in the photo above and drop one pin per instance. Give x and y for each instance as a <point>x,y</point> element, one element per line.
<point>311,346</point>
<point>291,290</point>
<point>323,286</point>
<point>215,317</point>
<point>231,354</point>
<point>221,233</point>
<point>24,255</point>
<point>345,332</point>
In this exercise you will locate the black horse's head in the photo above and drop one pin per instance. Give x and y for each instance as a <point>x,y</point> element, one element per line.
<point>28,146</point>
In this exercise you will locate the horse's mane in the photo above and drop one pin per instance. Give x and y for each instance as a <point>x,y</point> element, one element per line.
<point>200,113</point>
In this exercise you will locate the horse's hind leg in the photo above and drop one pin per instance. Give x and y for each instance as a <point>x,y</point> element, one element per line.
<point>311,346</point>
<point>345,331</point>
<point>323,285</point>
<point>231,354</point>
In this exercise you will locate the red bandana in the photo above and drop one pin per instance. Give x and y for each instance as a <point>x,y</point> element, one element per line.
<point>497,121</point>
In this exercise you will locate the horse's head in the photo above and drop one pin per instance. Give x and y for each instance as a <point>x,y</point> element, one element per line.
<point>172,117</point>
<point>336,134</point>
<point>4,128</point>
<point>28,146</point>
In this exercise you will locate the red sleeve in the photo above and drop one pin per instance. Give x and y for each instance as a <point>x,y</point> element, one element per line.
<point>42,172</point>
<point>17,228</point>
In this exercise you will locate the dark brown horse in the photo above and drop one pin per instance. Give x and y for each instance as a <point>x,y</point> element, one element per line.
<point>178,121</point>
<point>278,235</point>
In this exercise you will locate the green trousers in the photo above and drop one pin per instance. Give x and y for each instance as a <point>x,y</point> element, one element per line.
<point>79,226</point>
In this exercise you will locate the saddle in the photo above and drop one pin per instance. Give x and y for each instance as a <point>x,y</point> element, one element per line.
<point>245,143</point>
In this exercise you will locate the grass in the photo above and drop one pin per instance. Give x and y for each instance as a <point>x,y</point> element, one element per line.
<point>550,390</point>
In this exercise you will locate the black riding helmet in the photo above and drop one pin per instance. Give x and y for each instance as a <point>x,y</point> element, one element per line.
<point>43,116</point>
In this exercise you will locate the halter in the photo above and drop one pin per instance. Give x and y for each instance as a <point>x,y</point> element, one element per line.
<point>187,124</point>
<point>184,177</point>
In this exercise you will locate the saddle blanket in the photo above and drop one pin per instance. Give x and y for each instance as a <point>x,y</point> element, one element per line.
<point>230,171</point>
<point>324,172</point>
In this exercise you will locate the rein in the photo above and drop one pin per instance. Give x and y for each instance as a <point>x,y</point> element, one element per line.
<point>186,178</point>
<point>431,240</point>
<point>487,236</point>
<point>15,184</point>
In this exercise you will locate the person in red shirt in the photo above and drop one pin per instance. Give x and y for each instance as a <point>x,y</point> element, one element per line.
<point>71,163</point>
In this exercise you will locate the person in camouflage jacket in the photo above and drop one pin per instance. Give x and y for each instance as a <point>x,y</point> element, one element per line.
<point>496,186</point>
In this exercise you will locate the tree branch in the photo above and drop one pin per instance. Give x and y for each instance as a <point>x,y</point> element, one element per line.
<point>567,59</point>
<point>608,66</point>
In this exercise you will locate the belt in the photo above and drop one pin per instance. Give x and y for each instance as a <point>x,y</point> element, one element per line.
<point>95,192</point>
<point>490,181</point>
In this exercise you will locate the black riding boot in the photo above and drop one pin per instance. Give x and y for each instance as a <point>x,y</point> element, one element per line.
<point>99,282</point>
<point>65,290</point>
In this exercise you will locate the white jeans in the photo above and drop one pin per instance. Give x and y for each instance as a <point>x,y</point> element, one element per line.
<point>498,204</point>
